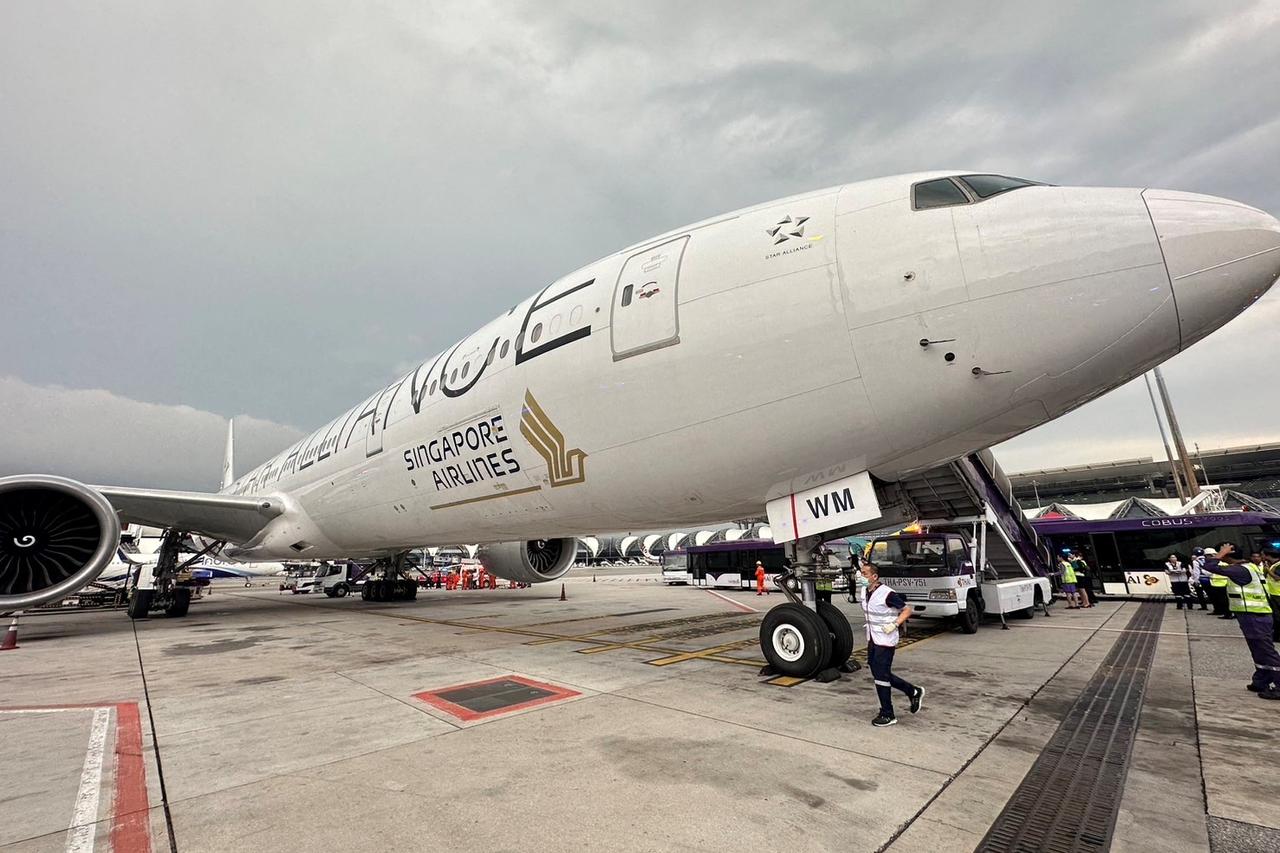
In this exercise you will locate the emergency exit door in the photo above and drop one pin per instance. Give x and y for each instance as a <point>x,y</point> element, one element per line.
<point>645,313</point>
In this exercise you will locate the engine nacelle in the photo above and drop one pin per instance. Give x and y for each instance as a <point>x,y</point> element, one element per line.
<point>56,536</point>
<point>533,561</point>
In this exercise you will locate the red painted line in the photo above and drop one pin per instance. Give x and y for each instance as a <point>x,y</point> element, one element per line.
<point>795,525</point>
<point>432,698</point>
<point>131,807</point>
<point>737,604</point>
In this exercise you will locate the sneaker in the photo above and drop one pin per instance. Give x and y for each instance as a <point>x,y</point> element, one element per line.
<point>1251,687</point>
<point>917,699</point>
<point>1269,694</point>
<point>882,721</point>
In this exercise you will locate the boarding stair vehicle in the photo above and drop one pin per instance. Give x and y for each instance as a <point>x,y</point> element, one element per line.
<point>971,553</point>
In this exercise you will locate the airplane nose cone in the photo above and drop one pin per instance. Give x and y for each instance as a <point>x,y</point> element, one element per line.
<point>1221,256</point>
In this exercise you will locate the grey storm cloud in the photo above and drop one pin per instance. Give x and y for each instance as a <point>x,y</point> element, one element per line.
<point>271,208</point>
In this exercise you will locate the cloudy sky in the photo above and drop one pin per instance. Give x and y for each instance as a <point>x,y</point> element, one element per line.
<point>270,209</point>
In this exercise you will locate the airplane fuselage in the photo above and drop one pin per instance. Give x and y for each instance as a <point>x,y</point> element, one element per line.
<point>695,376</point>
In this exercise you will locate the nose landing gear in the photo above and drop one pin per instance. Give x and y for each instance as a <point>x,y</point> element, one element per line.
<point>807,636</point>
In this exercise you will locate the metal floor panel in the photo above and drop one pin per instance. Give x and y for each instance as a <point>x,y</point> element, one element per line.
<point>1069,799</point>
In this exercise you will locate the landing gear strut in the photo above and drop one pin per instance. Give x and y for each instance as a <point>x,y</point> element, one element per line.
<point>391,584</point>
<point>807,636</point>
<point>158,588</point>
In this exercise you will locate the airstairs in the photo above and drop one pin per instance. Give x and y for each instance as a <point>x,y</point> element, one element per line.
<point>974,489</point>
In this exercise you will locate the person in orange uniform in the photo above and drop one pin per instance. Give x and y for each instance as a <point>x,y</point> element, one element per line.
<point>760,576</point>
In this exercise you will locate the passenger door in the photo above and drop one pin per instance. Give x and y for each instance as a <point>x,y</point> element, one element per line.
<point>645,315</point>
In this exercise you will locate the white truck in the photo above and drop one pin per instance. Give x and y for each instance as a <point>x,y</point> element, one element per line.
<point>338,580</point>
<point>935,571</point>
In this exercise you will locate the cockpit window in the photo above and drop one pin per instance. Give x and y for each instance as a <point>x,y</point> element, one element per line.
<point>940,193</point>
<point>985,186</point>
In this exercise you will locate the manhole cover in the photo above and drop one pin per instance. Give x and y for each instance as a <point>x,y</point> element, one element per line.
<point>481,699</point>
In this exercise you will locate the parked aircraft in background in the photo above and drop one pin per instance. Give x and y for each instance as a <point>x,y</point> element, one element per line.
<point>816,352</point>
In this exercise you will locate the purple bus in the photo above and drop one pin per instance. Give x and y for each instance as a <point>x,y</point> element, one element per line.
<point>1126,556</point>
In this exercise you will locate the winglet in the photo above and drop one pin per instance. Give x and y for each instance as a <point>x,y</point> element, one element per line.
<point>228,462</point>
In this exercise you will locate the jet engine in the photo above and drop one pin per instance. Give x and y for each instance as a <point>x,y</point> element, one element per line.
<point>56,536</point>
<point>532,561</point>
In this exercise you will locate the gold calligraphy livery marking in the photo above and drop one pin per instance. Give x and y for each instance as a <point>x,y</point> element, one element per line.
<point>564,466</point>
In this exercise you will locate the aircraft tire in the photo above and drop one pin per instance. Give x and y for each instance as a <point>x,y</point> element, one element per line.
<point>181,603</point>
<point>795,640</point>
<point>971,618</point>
<point>140,603</point>
<point>340,591</point>
<point>841,633</point>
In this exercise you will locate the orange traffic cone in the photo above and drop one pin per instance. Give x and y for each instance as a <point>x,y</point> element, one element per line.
<point>11,636</point>
<point>562,598</point>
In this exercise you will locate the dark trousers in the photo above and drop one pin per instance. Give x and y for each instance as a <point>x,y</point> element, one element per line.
<point>1182,593</point>
<point>880,660</point>
<point>1201,597</point>
<point>1258,632</point>
<point>1218,596</point>
<point>1275,623</point>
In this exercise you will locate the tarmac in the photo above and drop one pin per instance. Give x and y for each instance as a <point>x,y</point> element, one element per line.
<point>270,722</point>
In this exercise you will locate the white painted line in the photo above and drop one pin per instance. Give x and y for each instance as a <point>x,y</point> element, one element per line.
<point>84,821</point>
<point>738,604</point>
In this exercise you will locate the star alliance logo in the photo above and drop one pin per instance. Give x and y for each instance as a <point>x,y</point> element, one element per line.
<point>787,228</point>
<point>790,230</point>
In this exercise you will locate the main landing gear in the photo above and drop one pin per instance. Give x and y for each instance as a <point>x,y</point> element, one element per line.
<point>807,636</point>
<point>391,584</point>
<point>160,587</point>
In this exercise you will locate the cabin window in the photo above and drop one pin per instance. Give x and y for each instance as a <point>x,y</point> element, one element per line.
<point>940,193</point>
<point>626,294</point>
<point>985,186</point>
<point>537,333</point>
<point>505,346</point>
<point>465,369</point>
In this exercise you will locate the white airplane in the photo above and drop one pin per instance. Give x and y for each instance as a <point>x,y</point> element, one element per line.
<point>123,565</point>
<point>812,352</point>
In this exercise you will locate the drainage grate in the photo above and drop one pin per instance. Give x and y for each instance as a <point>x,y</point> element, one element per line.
<point>496,696</point>
<point>1069,799</point>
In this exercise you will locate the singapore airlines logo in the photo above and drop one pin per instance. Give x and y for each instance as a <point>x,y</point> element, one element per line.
<point>565,467</point>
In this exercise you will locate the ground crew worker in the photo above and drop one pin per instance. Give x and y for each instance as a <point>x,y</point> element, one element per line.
<point>760,590</point>
<point>1082,578</point>
<point>885,611</point>
<point>1069,584</point>
<point>1217,586</point>
<point>1247,598</point>
<point>1200,578</point>
<point>1179,580</point>
<point>1273,591</point>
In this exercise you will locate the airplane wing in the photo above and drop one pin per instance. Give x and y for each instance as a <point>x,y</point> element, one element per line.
<point>233,518</point>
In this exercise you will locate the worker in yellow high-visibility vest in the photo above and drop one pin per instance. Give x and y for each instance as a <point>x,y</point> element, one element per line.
<point>1218,588</point>
<point>1272,582</point>
<point>1247,595</point>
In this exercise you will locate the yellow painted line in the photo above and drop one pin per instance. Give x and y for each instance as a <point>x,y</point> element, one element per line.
<point>635,644</point>
<point>694,655</point>
<point>492,497</point>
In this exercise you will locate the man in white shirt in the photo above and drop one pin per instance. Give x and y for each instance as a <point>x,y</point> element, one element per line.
<point>885,611</point>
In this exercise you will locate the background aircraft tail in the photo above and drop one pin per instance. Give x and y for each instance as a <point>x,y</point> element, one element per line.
<point>228,461</point>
